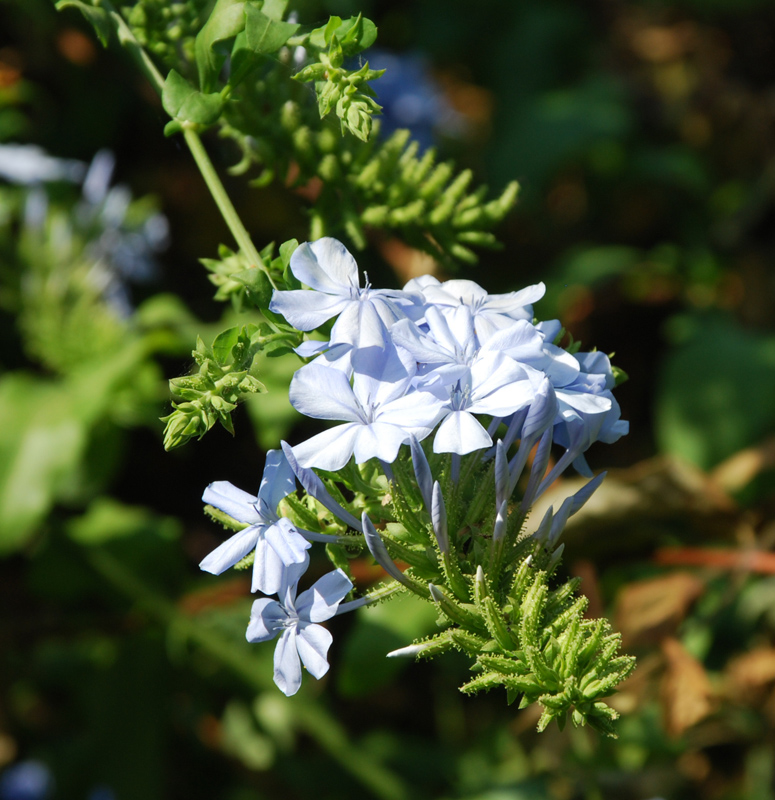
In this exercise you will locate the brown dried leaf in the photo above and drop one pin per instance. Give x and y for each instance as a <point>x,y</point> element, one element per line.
<point>751,671</point>
<point>650,610</point>
<point>686,692</point>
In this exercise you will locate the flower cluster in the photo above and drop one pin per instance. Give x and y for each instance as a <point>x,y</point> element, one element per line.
<point>444,395</point>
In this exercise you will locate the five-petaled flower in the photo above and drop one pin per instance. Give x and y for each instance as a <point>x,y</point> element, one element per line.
<point>302,640</point>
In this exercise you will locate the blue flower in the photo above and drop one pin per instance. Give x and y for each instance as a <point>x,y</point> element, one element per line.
<point>379,409</point>
<point>301,639</point>
<point>280,549</point>
<point>27,780</point>
<point>326,266</point>
<point>491,312</point>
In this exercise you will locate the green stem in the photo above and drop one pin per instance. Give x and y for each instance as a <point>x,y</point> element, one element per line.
<point>222,200</point>
<point>128,40</point>
<point>309,716</point>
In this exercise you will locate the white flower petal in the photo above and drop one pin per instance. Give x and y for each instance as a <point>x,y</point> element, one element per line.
<point>330,449</point>
<point>460,433</point>
<point>328,264</point>
<point>379,440</point>
<point>278,480</point>
<point>233,501</point>
<point>307,310</point>
<point>231,551</point>
<point>313,643</point>
<point>320,601</point>
<point>287,668</point>
<point>267,617</point>
<point>323,393</point>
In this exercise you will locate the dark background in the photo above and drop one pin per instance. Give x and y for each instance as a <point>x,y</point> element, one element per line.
<point>643,137</point>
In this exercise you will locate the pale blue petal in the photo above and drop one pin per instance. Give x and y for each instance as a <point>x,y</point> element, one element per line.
<point>452,330</point>
<point>464,291</point>
<point>560,366</point>
<point>314,486</point>
<point>422,471</point>
<point>233,501</point>
<point>460,433</point>
<point>379,440</point>
<point>287,542</point>
<point>598,363</point>
<point>422,347</point>
<point>307,310</point>
<point>267,618</point>
<point>287,667</point>
<point>503,400</point>
<point>360,325</point>
<point>313,643</point>
<point>281,556</point>
<point>514,302</point>
<point>231,551</point>
<point>585,403</point>
<point>439,518</point>
<point>379,375</point>
<point>520,341</point>
<point>278,480</point>
<point>323,393</point>
<point>329,450</point>
<point>326,265</point>
<point>414,411</point>
<point>312,347</point>
<point>268,569</point>
<point>320,601</point>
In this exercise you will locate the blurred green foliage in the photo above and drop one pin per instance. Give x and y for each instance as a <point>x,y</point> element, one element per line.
<point>642,135</point>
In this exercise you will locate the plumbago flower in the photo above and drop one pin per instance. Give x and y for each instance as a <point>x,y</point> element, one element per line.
<point>448,402</point>
<point>278,547</point>
<point>302,641</point>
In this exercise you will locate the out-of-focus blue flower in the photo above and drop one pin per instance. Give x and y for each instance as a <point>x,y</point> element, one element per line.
<point>411,98</point>
<point>27,780</point>
<point>301,639</point>
<point>120,247</point>
<point>116,241</point>
<point>30,165</point>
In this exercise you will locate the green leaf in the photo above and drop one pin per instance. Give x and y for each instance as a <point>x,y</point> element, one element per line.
<point>356,34</point>
<point>185,104</point>
<point>48,428</point>
<point>286,251</point>
<point>107,520</point>
<point>275,9</point>
<point>225,22</point>
<point>261,35</point>
<point>224,343</point>
<point>264,34</point>
<point>714,395</point>
<point>330,28</point>
<point>98,18</point>
<point>257,283</point>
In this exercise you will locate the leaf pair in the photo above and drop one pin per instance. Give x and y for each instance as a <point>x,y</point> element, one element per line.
<point>256,29</point>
